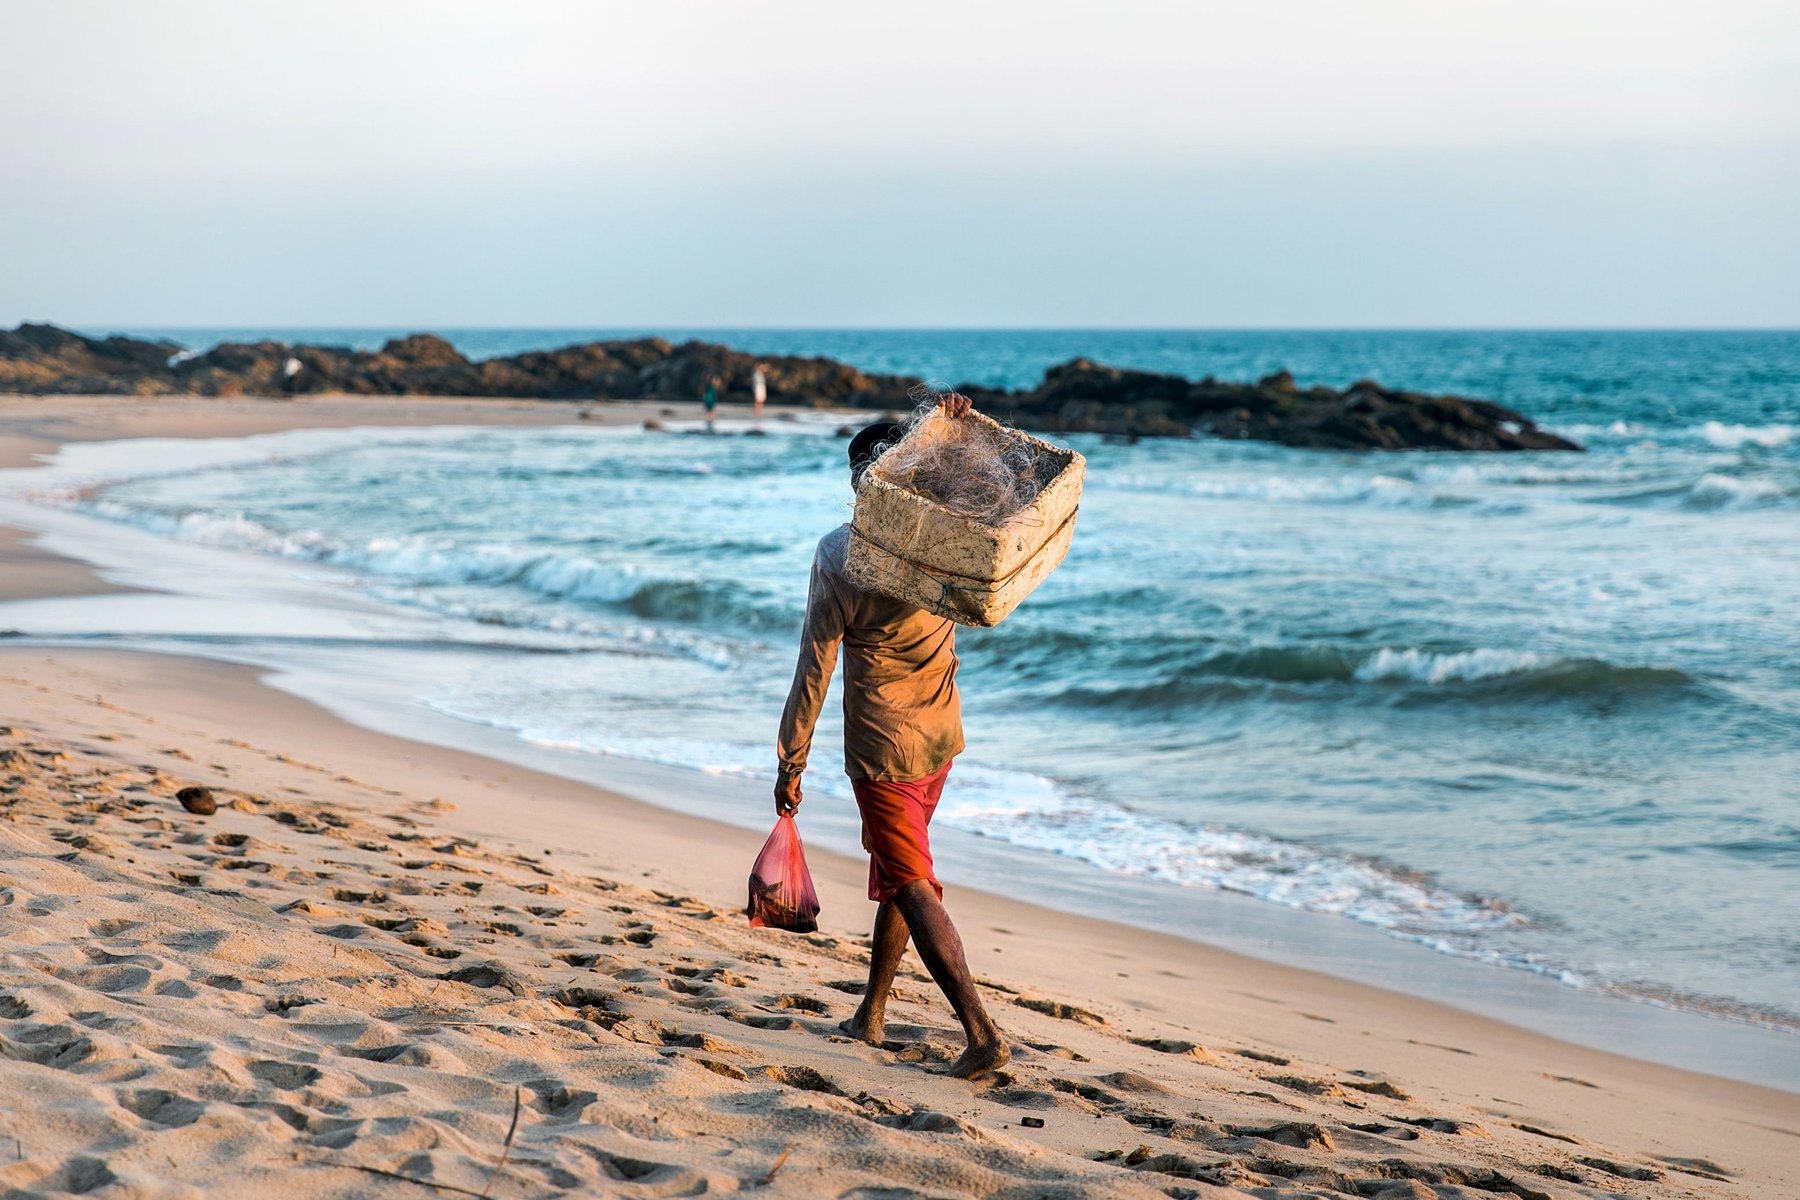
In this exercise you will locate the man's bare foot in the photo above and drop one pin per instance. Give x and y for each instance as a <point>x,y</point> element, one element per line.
<point>866,1027</point>
<point>980,1058</point>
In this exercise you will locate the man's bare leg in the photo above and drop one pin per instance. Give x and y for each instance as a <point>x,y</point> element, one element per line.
<point>886,947</point>
<point>941,948</point>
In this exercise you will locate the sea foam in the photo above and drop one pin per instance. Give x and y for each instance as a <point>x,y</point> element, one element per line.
<point>1422,666</point>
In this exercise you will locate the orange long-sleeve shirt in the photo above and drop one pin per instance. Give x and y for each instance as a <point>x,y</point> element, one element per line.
<point>902,715</point>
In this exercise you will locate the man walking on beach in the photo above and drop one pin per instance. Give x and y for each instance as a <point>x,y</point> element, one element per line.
<point>902,728</point>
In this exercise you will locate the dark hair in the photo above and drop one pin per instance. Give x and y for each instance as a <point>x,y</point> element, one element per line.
<point>867,446</point>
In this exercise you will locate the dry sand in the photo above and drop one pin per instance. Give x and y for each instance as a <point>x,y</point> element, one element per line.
<point>348,975</point>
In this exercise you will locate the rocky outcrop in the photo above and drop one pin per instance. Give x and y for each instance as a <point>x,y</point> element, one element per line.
<point>1085,396</point>
<point>42,359</point>
<point>1080,396</point>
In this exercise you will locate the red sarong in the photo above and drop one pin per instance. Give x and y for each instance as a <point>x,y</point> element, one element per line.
<point>895,814</point>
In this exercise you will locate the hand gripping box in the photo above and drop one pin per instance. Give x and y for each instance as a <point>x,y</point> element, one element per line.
<point>910,547</point>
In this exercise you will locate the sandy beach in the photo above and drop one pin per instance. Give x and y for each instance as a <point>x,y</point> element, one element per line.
<point>388,968</point>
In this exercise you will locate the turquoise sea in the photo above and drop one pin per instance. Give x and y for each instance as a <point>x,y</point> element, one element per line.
<point>1541,711</point>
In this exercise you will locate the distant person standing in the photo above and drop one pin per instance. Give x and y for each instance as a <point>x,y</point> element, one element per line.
<point>709,400</point>
<point>759,389</point>
<point>290,375</point>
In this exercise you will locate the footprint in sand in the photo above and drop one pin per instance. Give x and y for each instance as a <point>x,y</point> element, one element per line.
<point>1325,1089</point>
<point>1705,1168</point>
<point>77,1177</point>
<point>1174,1046</point>
<point>1398,1133</point>
<point>283,1004</point>
<point>803,1003</point>
<point>1621,1170</point>
<point>163,1109</point>
<point>1059,1010</point>
<point>665,1178</point>
<point>284,1076</point>
<point>1443,1125</point>
<point>1262,1056</point>
<point>405,1054</point>
<point>723,1069</point>
<point>1087,1091</point>
<point>805,1079</point>
<point>1055,1051</point>
<point>558,1102</point>
<point>1302,1135</point>
<point>111,974</point>
<point>714,974</point>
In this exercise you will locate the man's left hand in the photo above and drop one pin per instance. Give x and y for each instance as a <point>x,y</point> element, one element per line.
<point>954,404</point>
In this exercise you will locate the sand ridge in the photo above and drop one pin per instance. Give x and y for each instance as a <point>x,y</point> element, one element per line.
<point>320,988</point>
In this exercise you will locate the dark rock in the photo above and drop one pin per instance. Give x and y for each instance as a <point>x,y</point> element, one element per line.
<point>198,800</point>
<point>1082,396</point>
<point>425,350</point>
<point>44,359</point>
<point>1079,396</point>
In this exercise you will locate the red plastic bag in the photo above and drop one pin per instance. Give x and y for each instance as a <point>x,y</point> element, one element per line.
<point>781,888</point>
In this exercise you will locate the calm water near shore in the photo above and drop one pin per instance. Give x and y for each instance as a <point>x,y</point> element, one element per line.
<point>1540,710</point>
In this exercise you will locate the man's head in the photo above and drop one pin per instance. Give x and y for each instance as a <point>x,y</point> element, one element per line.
<point>867,446</point>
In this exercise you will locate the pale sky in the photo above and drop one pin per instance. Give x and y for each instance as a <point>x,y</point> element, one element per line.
<point>1286,163</point>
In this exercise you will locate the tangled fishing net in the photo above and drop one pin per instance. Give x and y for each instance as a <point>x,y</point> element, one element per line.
<point>973,467</point>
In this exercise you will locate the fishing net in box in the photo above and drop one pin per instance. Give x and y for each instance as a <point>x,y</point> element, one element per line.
<point>962,517</point>
<point>975,469</point>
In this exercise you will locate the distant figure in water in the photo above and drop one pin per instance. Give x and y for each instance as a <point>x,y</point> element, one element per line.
<point>290,375</point>
<point>902,729</point>
<point>709,401</point>
<point>759,390</point>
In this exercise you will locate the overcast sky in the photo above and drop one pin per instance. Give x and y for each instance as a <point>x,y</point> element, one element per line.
<point>1286,163</point>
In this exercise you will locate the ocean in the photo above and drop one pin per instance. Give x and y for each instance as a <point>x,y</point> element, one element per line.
<point>1536,711</point>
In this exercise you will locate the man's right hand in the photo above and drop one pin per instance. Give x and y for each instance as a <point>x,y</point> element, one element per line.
<point>787,793</point>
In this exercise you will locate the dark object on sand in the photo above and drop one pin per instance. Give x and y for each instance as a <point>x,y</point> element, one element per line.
<point>1079,396</point>
<point>1032,1122</point>
<point>781,888</point>
<point>198,800</point>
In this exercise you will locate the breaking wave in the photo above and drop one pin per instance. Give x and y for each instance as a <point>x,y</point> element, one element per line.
<point>416,562</point>
<point>1503,674</point>
<point>1731,437</point>
<point>1714,491</point>
<point>1044,816</point>
<point>1725,436</point>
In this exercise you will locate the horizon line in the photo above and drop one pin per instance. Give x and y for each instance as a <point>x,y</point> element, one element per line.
<point>925,328</point>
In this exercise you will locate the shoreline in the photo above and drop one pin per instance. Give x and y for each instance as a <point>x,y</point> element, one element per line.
<point>1285,1007</point>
